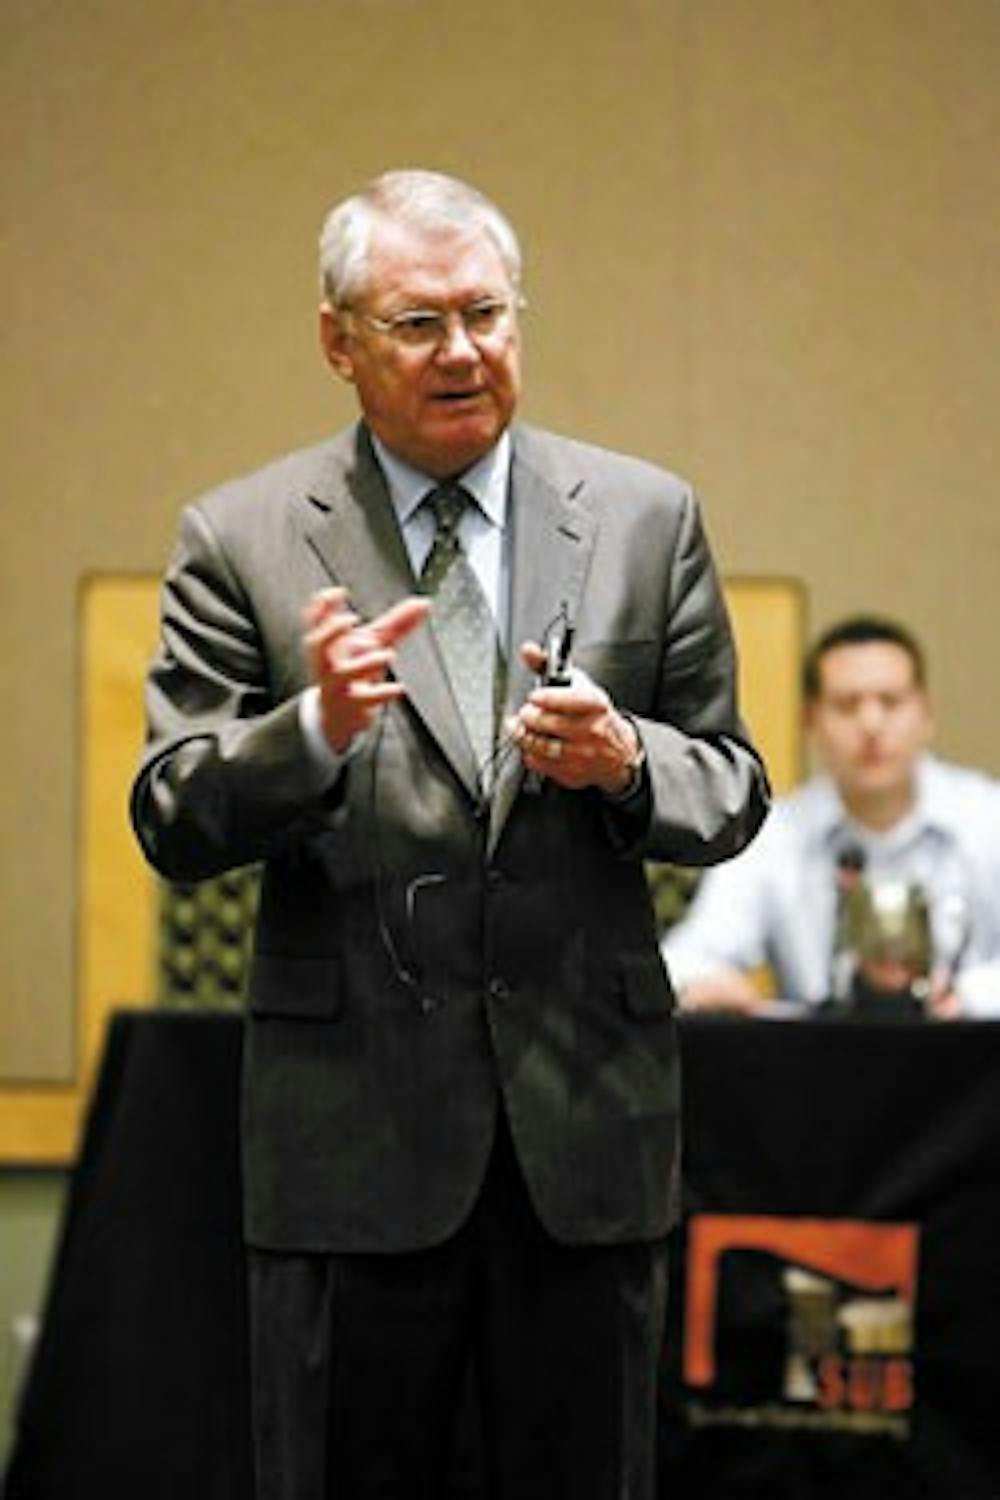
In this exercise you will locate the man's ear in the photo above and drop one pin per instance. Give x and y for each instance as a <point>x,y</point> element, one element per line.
<point>812,753</point>
<point>930,724</point>
<point>335,341</point>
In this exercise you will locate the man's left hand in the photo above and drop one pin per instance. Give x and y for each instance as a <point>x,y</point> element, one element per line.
<point>942,1001</point>
<point>574,735</point>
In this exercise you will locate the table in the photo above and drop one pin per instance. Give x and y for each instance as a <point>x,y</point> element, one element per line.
<point>835,1314</point>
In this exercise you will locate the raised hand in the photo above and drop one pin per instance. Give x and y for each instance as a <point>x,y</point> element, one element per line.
<point>351,659</point>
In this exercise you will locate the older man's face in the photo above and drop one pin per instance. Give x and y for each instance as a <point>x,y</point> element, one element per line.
<point>438,408</point>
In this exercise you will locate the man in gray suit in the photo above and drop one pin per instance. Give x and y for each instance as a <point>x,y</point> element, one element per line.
<point>461,1075</point>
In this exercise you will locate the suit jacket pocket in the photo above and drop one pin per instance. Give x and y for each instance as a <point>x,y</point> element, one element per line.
<point>647,993</point>
<point>296,988</point>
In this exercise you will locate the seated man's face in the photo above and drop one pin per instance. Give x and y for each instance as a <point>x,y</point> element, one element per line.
<point>871,718</point>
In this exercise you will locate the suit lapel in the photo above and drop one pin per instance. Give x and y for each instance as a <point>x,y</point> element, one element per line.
<point>358,541</point>
<point>552,538</point>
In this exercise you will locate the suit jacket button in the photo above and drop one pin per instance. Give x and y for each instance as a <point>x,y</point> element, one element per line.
<point>500,989</point>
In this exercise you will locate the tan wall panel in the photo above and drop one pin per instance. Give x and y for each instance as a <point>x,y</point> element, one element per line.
<point>116,935</point>
<point>769,623</point>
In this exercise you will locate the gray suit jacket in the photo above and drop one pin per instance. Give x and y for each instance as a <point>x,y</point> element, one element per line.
<point>416,957</point>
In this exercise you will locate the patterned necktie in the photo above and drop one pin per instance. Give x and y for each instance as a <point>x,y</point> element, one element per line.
<point>463,624</point>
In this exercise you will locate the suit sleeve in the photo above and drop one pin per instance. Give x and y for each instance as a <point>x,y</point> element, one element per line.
<point>228,776</point>
<point>708,788</point>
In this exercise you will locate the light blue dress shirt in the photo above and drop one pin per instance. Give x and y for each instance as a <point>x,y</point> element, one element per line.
<point>481,529</point>
<point>775,903</point>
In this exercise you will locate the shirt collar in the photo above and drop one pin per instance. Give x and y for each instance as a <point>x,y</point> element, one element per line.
<point>487,481</point>
<point>834,822</point>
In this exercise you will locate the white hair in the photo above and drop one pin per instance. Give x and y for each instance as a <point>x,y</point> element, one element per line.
<point>422,200</point>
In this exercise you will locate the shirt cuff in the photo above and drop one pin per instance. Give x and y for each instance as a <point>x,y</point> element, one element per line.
<point>327,762</point>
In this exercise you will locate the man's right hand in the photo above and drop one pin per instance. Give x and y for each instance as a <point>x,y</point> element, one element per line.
<point>724,990</point>
<point>350,660</point>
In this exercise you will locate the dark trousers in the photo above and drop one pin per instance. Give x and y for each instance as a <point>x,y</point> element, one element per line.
<point>361,1362</point>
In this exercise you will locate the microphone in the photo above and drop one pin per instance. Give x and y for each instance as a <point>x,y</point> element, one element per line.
<point>850,868</point>
<point>851,862</point>
<point>558,645</point>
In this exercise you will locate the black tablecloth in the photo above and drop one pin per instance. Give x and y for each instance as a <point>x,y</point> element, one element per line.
<point>139,1383</point>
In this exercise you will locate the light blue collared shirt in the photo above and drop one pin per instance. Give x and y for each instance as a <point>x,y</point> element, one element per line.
<point>481,529</point>
<point>776,902</point>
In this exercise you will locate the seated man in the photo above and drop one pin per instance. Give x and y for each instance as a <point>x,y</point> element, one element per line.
<point>884,811</point>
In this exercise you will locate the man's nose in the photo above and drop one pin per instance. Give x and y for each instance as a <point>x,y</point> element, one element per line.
<point>457,344</point>
<point>871,715</point>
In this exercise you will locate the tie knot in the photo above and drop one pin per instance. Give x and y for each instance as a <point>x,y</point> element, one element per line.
<point>448,503</point>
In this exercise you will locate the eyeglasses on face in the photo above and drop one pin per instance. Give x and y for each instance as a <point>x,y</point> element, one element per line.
<point>427,328</point>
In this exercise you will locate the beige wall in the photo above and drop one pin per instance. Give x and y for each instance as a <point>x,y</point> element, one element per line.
<point>762,241</point>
